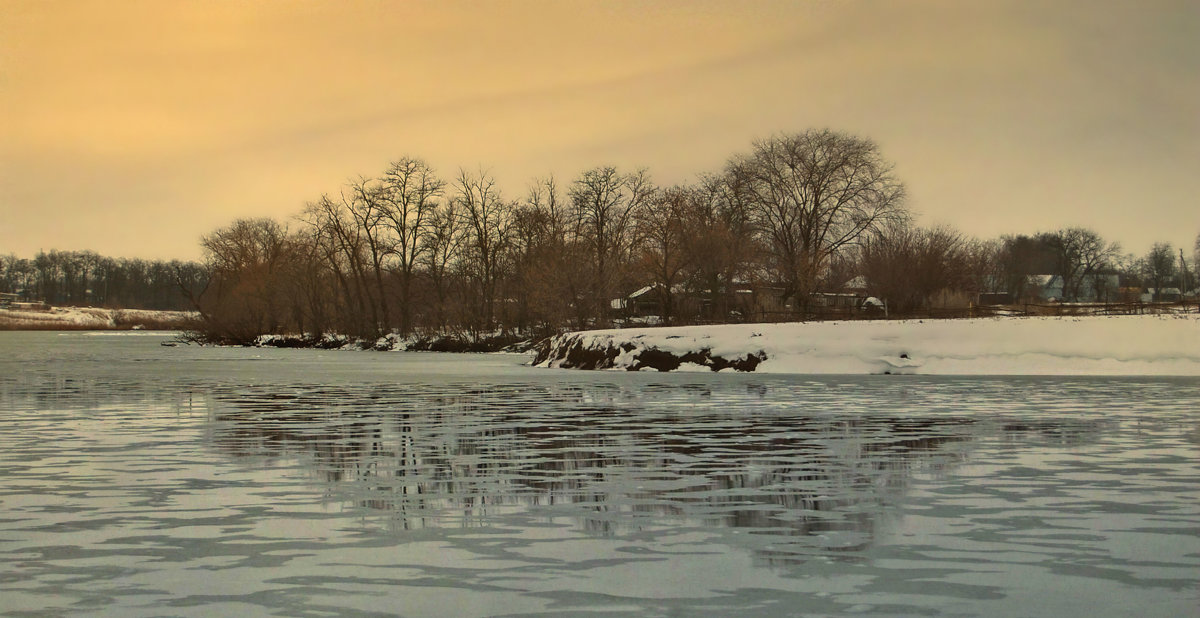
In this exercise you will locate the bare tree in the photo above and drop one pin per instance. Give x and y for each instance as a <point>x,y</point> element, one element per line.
<point>341,245</point>
<point>443,242</point>
<point>560,270</point>
<point>411,190</point>
<point>662,238</point>
<point>606,202</point>
<point>811,194</point>
<point>315,306</point>
<point>1159,268</point>
<point>487,218</point>
<point>721,243</point>
<point>531,284</point>
<point>248,264</point>
<point>1078,254</point>
<point>907,266</point>
<point>368,207</point>
<point>13,271</point>
<point>983,266</point>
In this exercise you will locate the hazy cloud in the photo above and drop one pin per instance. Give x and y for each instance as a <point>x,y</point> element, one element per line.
<point>142,125</point>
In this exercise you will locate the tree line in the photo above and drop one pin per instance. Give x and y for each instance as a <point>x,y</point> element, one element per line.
<point>781,229</point>
<point>795,216</point>
<point>85,278</point>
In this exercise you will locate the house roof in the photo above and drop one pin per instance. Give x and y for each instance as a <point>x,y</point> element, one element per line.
<point>641,292</point>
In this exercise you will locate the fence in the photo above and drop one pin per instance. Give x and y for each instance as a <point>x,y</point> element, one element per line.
<point>1131,308</point>
<point>818,314</point>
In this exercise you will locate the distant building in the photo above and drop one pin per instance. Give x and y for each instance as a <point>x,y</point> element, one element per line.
<point>1163,295</point>
<point>642,302</point>
<point>1095,288</point>
<point>846,300</point>
<point>857,285</point>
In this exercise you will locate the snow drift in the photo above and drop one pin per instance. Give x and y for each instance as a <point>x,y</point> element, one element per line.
<point>1124,345</point>
<point>94,318</point>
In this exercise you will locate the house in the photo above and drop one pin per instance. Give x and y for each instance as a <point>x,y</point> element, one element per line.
<point>646,304</point>
<point>994,292</point>
<point>1092,288</point>
<point>848,301</point>
<point>1161,295</point>
<point>641,302</point>
<point>857,285</point>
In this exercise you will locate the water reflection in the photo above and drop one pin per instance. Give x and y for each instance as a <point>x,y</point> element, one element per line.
<point>609,459</point>
<point>209,483</point>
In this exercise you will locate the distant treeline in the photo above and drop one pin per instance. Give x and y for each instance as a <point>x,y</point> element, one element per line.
<point>796,223</point>
<point>84,278</point>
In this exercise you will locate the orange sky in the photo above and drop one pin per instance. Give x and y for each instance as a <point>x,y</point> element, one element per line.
<point>131,128</point>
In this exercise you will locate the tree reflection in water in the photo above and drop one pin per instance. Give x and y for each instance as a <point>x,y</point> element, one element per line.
<point>610,459</point>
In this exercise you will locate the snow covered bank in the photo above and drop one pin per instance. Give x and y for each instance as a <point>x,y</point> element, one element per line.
<point>92,318</point>
<point>1124,345</point>
<point>394,343</point>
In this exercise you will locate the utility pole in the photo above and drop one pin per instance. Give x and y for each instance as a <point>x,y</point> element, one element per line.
<point>1183,281</point>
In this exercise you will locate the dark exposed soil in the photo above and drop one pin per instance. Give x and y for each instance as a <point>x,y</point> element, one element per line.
<point>571,352</point>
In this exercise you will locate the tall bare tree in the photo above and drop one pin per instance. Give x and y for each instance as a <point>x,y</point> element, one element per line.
<point>662,238</point>
<point>1078,254</point>
<point>367,205</point>
<point>1159,268</point>
<point>605,203</point>
<point>315,306</point>
<point>344,250</point>
<point>560,268</point>
<point>486,218</point>
<point>811,194</point>
<point>443,241</point>
<point>721,243</point>
<point>531,284</point>
<point>411,193</point>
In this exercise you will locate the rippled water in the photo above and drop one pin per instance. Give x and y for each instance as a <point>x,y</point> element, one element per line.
<point>137,479</point>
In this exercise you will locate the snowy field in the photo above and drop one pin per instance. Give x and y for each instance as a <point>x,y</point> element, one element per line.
<point>1124,345</point>
<point>92,318</point>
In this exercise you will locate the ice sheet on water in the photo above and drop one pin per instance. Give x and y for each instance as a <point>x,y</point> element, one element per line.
<point>502,490</point>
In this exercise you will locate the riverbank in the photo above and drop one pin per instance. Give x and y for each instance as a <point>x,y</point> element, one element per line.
<point>1112,345</point>
<point>95,318</point>
<point>396,343</point>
